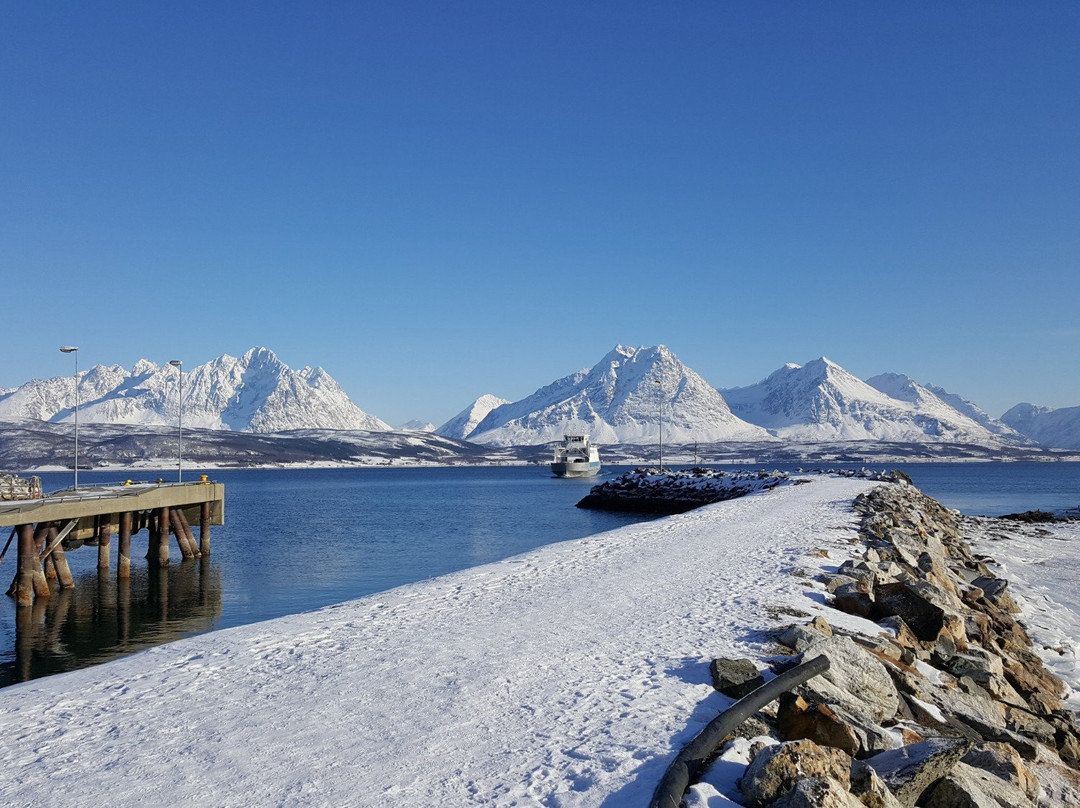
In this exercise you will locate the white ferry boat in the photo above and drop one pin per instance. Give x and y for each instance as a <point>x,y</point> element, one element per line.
<point>576,458</point>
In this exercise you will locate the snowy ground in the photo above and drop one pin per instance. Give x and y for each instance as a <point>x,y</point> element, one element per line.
<point>568,676</point>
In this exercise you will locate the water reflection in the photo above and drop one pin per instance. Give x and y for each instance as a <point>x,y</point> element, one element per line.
<point>103,617</point>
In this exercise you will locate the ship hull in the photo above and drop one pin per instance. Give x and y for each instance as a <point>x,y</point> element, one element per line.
<point>575,469</point>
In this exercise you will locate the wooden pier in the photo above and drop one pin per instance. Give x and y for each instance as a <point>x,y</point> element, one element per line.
<point>93,515</point>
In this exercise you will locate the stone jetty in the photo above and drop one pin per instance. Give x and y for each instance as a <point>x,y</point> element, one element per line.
<point>940,701</point>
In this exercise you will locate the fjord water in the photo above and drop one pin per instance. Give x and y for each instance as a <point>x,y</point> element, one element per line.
<point>296,540</point>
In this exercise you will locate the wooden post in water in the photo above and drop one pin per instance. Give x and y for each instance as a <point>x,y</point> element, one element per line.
<point>178,531</point>
<point>123,555</point>
<point>204,528</point>
<point>104,534</point>
<point>188,534</point>
<point>24,578</point>
<point>149,518</point>
<point>41,584</point>
<point>63,571</point>
<point>163,536</point>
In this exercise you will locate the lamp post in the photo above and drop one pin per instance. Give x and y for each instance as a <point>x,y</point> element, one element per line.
<point>176,363</point>
<point>660,384</point>
<point>75,350</point>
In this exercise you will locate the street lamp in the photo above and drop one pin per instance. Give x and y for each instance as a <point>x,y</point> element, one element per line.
<point>75,350</point>
<point>660,384</point>
<point>176,363</point>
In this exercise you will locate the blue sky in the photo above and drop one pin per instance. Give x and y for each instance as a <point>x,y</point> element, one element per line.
<point>439,200</point>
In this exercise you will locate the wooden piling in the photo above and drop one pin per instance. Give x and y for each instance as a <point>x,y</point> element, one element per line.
<point>123,555</point>
<point>41,532</point>
<point>178,531</point>
<point>204,528</point>
<point>186,525</point>
<point>63,571</point>
<point>104,534</point>
<point>163,536</point>
<point>24,578</point>
<point>41,583</point>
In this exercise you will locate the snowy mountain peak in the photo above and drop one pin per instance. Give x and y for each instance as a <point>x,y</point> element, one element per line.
<point>1058,428</point>
<point>621,399</point>
<point>255,393</point>
<point>144,367</point>
<point>823,401</point>
<point>464,423</point>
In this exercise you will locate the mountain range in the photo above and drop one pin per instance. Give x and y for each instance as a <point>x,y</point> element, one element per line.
<point>625,398</point>
<point>254,393</point>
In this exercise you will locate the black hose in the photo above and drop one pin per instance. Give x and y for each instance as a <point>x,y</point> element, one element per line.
<point>688,763</point>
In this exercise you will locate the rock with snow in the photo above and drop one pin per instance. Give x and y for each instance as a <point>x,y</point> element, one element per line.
<point>968,787</point>
<point>621,399</point>
<point>254,393</point>
<point>855,680</point>
<point>465,422</point>
<point>1052,428</point>
<point>911,770</point>
<point>775,770</point>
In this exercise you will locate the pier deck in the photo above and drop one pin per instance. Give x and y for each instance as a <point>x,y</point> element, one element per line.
<point>92,515</point>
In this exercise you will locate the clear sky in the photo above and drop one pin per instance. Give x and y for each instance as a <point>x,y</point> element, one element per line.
<point>439,200</point>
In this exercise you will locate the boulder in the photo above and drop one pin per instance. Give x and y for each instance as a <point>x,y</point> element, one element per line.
<point>910,770</point>
<point>927,609</point>
<point>871,789</point>
<point>833,582</point>
<point>818,792</point>
<point>821,626</point>
<point>797,719</point>
<point>996,591</point>
<point>775,770</point>
<point>851,599</point>
<point>856,680</point>
<point>902,633</point>
<point>978,663</point>
<point>968,787</point>
<point>735,677</point>
<point>1003,761</point>
<point>799,637</point>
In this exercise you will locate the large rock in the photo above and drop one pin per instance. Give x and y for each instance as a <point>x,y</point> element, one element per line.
<point>968,787</point>
<point>735,677</point>
<point>797,719</point>
<point>818,792</point>
<point>926,609</point>
<point>871,789</point>
<point>1004,762</point>
<point>996,590</point>
<point>856,680</point>
<point>775,770</point>
<point>910,770</point>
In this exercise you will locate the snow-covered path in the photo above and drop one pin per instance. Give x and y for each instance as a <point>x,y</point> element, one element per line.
<point>567,676</point>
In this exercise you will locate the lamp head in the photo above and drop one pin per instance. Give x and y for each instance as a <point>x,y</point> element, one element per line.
<point>175,363</point>
<point>68,348</point>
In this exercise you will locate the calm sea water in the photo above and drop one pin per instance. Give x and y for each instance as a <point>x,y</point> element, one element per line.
<point>299,540</point>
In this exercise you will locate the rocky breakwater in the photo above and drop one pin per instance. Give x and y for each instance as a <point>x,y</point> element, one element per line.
<point>934,696</point>
<point>671,491</point>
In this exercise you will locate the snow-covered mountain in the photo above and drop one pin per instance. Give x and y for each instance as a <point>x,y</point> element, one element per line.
<point>620,400</point>
<point>975,413</point>
<point>822,401</point>
<point>255,393</point>
<point>1056,428</point>
<point>416,425</point>
<point>462,425</point>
